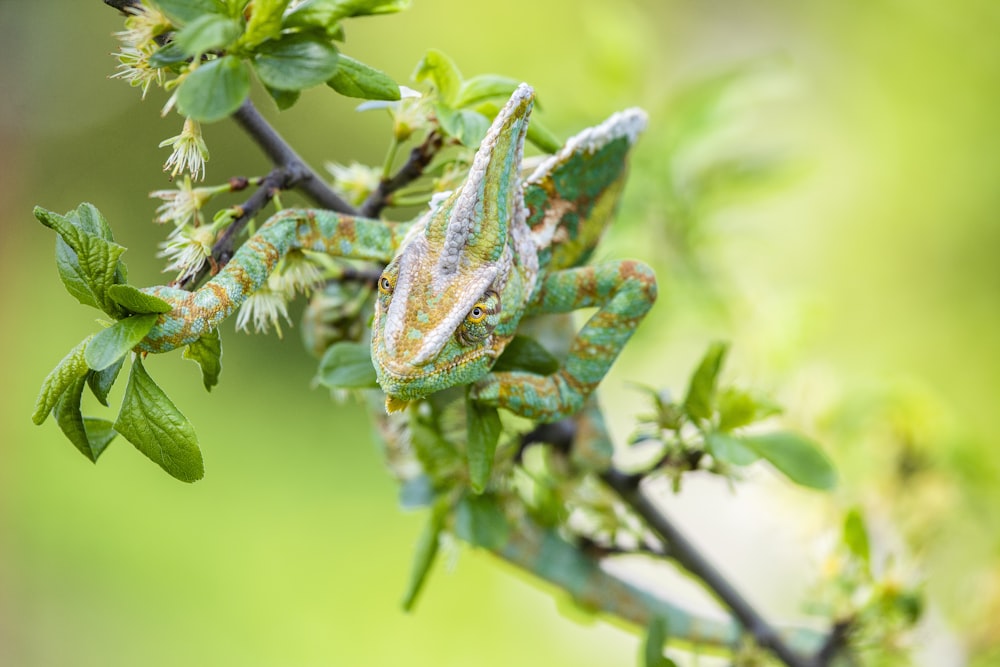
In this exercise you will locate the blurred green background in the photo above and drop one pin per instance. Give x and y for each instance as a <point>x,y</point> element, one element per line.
<point>860,286</point>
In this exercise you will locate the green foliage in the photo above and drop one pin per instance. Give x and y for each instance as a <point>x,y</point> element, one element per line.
<point>652,648</point>
<point>424,555</point>
<point>207,353</point>
<point>483,433</point>
<point>356,79</point>
<point>347,365</point>
<point>214,90</point>
<point>112,344</point>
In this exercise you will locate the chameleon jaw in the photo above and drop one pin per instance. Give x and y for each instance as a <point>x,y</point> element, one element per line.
<point>395,404</point>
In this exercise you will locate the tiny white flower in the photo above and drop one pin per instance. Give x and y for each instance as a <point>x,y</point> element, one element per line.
<point>134,68</point>
<point>354,181</point>
<point>298,273</point>
<point>143,26</point>
<point>190,152</point>
<point>265,308</point>
<point>188,248</point>
<point>180,206</point>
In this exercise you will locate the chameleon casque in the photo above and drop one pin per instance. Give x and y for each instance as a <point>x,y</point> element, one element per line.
<point>460,278</point>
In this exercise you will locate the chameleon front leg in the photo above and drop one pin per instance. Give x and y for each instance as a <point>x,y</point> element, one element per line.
<point>623,291</point>
<point>196,313</point>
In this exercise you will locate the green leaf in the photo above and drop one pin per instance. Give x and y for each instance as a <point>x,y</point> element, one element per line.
<point>89,435</point>
<point>265,22</point>
<point>101,381</point>
<point>424,555</point>
<point>483,423</point>
<point>526,354</point>
<point>347,365</point>
<point>442,73</point>
<point>166,55</point>
<point>207,353</point>
<point>86,255</point>
<point>700,399</point>
<point>469,127</point>
<point>214,90</point>
<point>799,458</point>
<point>542,137</point>
<point>326,13</point>
<point>207,32</point>
<point>356,79</point>
<point>182,11</point>
<point>113,343</point>
<point>66,373</point>
<point>137,301</point>
<point>728,449</point>
<point>295,61</point>
<point>652,648</point>
<point>480,522</point>
<point>100,433</point>
<point>856,535</point>
<point>484,87</point>
<point>151,422</point>
<point>283,99</point>
<point>736,408</point>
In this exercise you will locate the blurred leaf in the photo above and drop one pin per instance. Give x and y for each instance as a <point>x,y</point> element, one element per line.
<point>166,55</point>
<point>182,11</point>
<point>736,408</point>
<point>296,61</point>
<point>442,73</point>
<point>484,87</point>
<point>86,255</point>
<point>347,365</point>
<point>469,127</point>
<point>151,422</point>
<point>326,13</point>
<point>206,33</point>
<point>480,522</point>
<point>101,381</point>
<point>526,354</point>
<point>214,90</point>
<point>264,22</point>
<point>207,353</point>
<point>114,342</point>
<point>856,536</point>
<point>652,649</point>
<point>700,399</point>
<point>71,368</point>
<point>136,301</point>
<point>483,423</point>
<point>799,458</point>
<point>424,555</point>
<point>283,99</point>
<point>356,79</point>
<point>728,449</point>
<point>542,138</point>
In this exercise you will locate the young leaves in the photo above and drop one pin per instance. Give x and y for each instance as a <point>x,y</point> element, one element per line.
<point>652,648</point>
<point>207,353</point>
<point>483,424</point>
<point>113,343</point>
<point>425,554</point>
<point>214,90</point>
<point>295,61</point>
<point>151,422</point>
<point>347,365</point>
<point>356,79</point>
<point>797,457</point>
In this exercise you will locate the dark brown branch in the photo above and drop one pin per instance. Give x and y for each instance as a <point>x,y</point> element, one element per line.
<point>122,5</point>
<point>420,157</point>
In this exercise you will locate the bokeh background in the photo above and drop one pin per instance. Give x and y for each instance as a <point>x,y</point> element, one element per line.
<point>850,255</point>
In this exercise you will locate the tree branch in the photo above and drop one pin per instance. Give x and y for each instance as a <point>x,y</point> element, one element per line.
<point>420,157</point>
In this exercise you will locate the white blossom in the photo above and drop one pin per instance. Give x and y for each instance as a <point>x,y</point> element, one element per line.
<point>265,307</point>
<point>188,248</point>
<point>190,152</point>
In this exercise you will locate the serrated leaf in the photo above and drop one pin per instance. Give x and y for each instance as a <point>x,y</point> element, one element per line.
<point>700,399</point>
<point>151,422</point>
<point>207,353</point>
<point>295,61</point>
<point>113,343</point>
<point>356,79</point>
<point>283,99</point>
<point>424,555</point>
<point>326,13</point>
<point>728,449</point>
<point>167,55</point>
<point>137,301</point>
<point>480,522</point>
<point>182,11</point>
<point>856,536</point>
<point>442,73</point>
<point>468,126</point>
<point>484,87</point>
<point>214,90</point>
<point>100,382</point>
<point>207,32</point>
<point>86,256</point>
<point>483,424</point>
<point>71,368</point>
<point>797,457</point>
<point>347,365</point>
<point>526,354</point>
<point>89,435</point>
<point>264,22</point>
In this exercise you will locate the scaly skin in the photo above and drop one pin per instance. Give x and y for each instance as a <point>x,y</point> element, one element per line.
<point>460,278</point>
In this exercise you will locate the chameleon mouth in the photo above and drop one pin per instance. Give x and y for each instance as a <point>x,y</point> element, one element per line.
<point>405,382</point>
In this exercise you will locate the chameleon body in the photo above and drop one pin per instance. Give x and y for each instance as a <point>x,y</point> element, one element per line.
<point>460,278</point>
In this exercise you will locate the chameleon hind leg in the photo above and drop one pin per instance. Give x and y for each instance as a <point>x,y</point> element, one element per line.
<point>623,292</point>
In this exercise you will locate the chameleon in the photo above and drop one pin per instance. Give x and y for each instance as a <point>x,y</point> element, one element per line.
<point>459,279</point>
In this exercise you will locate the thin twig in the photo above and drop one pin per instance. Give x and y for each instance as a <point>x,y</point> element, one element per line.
<point>685,553</point>
<point>420,157</point>
<point>122,5</point>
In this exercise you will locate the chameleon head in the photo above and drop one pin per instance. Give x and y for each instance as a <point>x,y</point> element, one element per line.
<point>440,317</point>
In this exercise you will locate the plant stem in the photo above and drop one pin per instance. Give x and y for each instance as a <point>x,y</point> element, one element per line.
<point>420,157</point>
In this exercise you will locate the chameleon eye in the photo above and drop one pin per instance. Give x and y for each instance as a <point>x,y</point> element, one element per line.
<point>478,313</point>
<point>385,285</point>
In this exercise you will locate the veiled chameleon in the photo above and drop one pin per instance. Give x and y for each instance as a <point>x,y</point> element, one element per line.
<point>460,278</point>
